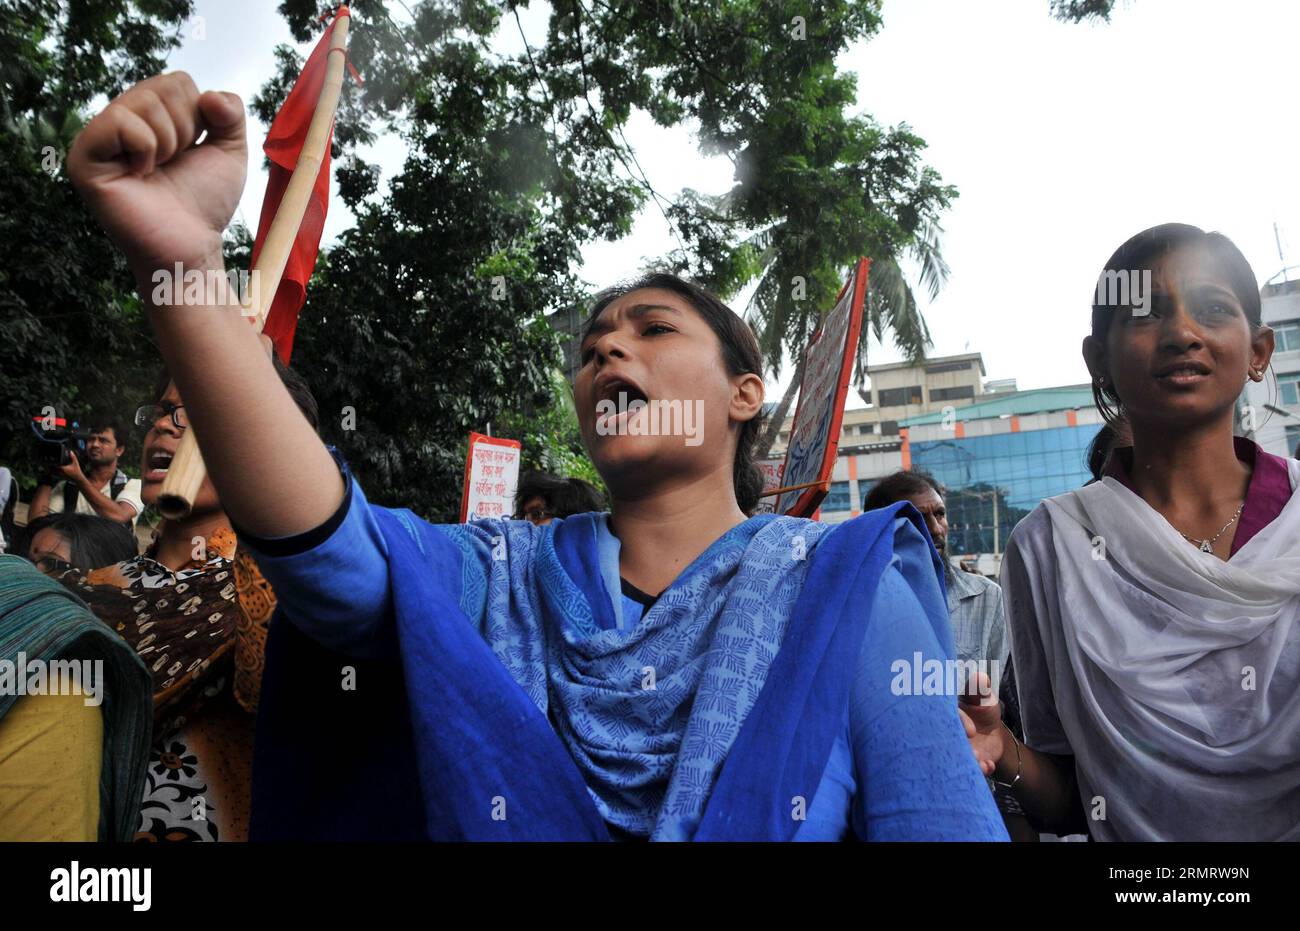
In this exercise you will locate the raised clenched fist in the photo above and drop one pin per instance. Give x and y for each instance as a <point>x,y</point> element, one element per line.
<point>162,197</point>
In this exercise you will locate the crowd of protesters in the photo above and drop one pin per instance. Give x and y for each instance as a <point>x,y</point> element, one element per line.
<point>657,663</point>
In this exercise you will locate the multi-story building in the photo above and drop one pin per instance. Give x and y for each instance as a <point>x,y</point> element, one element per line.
<point>997,450</point>
<point>1000,457</point>
<point>901,389</point>
<point>1273,420</point>
<point>870,440</point>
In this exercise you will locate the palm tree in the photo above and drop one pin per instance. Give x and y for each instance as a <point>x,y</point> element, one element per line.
<point>786,309</point>
<point>812,195</point>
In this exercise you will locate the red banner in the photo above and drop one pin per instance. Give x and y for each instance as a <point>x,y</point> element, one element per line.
<point>283,145</point>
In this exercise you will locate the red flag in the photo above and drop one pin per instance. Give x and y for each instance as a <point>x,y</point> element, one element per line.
<point>283,144</point>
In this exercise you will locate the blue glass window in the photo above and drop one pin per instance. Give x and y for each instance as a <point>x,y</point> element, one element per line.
<point>838,498</point>
<point>1017,469</point>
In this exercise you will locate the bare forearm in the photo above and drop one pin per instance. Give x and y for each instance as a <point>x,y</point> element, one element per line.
<point>273,475</point>
<point>40,505</point>
<point>104,505</point>
<point>1044,789</point>
<point>165,198</point>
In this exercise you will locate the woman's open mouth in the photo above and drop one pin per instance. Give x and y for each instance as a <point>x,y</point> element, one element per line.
<point>159,462</point>
<point>618,392</point>
<point>617,401</point>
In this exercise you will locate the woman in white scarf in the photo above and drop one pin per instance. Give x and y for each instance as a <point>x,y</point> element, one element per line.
<point>1155,615</point>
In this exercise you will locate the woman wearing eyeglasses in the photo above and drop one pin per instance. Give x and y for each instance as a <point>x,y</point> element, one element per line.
<point>542,497</point>
<point>196,613</point>
<point>59,542</point>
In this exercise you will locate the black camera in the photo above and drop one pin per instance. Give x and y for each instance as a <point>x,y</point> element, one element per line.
<point>58,440</point>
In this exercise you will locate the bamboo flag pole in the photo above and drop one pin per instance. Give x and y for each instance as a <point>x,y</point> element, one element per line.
<point>187,471</point>
<point>781,491</point>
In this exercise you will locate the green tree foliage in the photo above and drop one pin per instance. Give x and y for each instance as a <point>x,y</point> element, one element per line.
<point>73,328</point>
<point>426,319</point>
<point>815,185</point>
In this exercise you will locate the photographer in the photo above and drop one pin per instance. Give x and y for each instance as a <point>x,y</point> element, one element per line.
<point>99,487</point>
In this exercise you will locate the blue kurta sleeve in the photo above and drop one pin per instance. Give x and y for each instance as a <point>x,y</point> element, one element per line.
<point>917,779</point>
<point>332,582</point>
<point>387,603</point>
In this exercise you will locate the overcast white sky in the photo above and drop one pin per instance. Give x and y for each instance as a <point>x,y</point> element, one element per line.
<point>1063,140</point>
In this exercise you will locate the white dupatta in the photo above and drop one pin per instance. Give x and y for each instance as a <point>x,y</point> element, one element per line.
<point>1176,675</point>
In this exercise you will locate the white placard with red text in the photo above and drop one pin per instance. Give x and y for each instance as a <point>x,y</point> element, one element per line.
<point>491,477</point>
<point>771,469</point>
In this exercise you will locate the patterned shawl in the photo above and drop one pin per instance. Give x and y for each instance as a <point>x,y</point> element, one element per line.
<point>188,625</point>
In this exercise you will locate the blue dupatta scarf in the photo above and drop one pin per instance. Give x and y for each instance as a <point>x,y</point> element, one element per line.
<point>527,718</point>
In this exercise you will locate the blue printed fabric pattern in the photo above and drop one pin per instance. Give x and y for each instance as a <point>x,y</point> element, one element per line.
<point>504,701</point>
<point>648,714</point>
